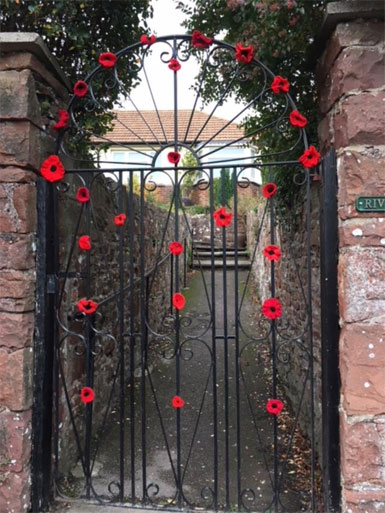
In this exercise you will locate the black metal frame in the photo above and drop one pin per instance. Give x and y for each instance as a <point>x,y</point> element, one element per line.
<point>49,269</point>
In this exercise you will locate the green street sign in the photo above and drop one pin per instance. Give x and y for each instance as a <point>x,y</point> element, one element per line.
<point>370,204</point>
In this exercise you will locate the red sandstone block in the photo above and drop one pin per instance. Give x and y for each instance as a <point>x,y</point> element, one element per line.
<point>355,69</point>
<point>15,434</point>
<point>16,379</point>
<point>15,493</point>
<point>361,291</point>
<point>17,208</point>
<point>16,330</point>
<point>16,175</point>
<point>361,453</point>
<point>359,174</point>
<point>17,291</point>
<point>17,251</point>
<point>365,501</point>
<point>363,232</point>
<point>362,367</point>
<point>361,120</point>
<point>18,96</point>
<point>20,144</point>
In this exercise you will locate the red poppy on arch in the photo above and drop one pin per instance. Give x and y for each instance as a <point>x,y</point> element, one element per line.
<point>272,253</point>
<point>310,157</point>
<point>120,219</point>
<point>52,169</point>
<point>107,59</point>
<point>147,40</point>
<point>173,157</point>
<point>177,402</point>
<point>83,195</point>
<point>84,242</point>
<point>272,309</point>
<point>296,119</point>
<point>87,395</point>
<point>87,306</point>
<point>64,118</point>
<point>274,406</point>
<point>175,248</point>
<point>244,54</point>
<point>280,85</point>
<point>178,301</point>
<point>80,89</point>
<point>174,65</point>
<point>200,41</point>
<point>222,218</point>
<point>269,190</point>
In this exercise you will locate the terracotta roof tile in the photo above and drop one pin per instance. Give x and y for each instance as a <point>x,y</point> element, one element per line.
<point>131,127</point>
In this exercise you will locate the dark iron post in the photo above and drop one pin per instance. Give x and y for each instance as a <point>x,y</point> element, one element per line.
<point>330,334</point>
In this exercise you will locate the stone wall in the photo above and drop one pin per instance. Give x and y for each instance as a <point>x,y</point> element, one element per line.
<point>350,78</point>
<point>31,90</point>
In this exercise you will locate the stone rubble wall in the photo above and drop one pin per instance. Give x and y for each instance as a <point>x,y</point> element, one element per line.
<point>350,78</point>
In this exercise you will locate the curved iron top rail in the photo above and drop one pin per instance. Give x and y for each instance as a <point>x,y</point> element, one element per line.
<point>179,47</point>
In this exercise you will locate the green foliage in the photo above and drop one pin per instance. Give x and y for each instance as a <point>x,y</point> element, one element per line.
<point>197,209</point>
<point>280,32</point>
<point>77,31</point>
<point>192,177</point>
<point>223,188</point>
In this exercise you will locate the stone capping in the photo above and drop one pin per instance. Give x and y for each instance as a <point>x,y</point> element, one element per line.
<point>30,42</point>
<point>339,12</point>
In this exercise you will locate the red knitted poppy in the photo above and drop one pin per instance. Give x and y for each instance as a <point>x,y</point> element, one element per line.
<point>107,59</point>
<point>310,157</point>
<point>280,85</point>
<point>80,89</point>
<point>87,395</point>
<point>177,402</point>
<point>178,301</point>
<point>244,54</point>
<point>87,306</point>
<point>83,195</point>
<point>272,253</point>
<point>173,157</point>
<point>84,242</point>
<point>222,218</point>
<point>200,41</point>
<point>64,118</point>
<point>274,406</point>
<point>269,190</point>
<point>52,169</point>
<point>147,40</point>
<point>296,119</point>
<point>272,309</point>
<point>175,248</point>
<point>174,65</point>
<point>120,219</point>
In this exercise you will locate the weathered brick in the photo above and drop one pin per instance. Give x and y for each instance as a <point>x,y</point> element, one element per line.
<point>16,175</point>
<point>16,329</point>
<point>16,379</point>
<point>17,291</point>
<point>15,492</point>
<point>362,232</point>
<point>362,367</point>
<point>17,251</point>
<point>355,69</point>
<point>18,96</point>
<point>17,208</point>
<point>361,455</point>
<point>15,436</point>
<point>361,284</point>
<point>359,174</point>
<point>361,120</point>
<point>20,144</point>
<point>365,501</point>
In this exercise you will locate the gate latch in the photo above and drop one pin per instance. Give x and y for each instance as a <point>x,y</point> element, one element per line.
<point>51,284</point>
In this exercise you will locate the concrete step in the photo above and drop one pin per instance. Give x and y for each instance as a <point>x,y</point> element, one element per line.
<point>231,253</point>
<point>230,264</point>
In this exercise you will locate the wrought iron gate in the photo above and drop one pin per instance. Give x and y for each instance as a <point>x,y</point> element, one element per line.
<point>172,388</point>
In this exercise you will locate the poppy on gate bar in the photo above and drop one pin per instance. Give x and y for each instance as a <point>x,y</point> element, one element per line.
<point>120,219</point>
<point>178,301</point>
<point>269,190</point>
<point>147,40</point>
<point>87,306</point>
<point>107,59</point>
<point>310,157</point>
<point>52,169</point>
<point>222,218</point>
<point>274,406</point>
<point>87,395</point>
<point>272,309</point>
<point>272,253</point>
<point>173,157</point>
<point>296,119</point>
<point>64,118</point>
<point>199,40</point>
<point>83,195</point>
<point>244,54</point>
<point>84,242</point>
<point>174,65</point>
<point>80,89</point>
<point>177,402</point>
<point>280,85</point>
<point>175,248</point>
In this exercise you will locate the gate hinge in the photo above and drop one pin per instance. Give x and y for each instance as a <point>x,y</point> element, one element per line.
<point>51,284</point>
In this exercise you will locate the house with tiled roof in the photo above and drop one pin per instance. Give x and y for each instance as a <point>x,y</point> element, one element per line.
<point>142,139</point>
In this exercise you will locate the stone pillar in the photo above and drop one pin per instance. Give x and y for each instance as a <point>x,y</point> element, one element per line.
<point>31,89</point>
<point>350,76</point>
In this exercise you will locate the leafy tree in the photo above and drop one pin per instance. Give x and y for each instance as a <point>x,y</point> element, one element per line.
<point>223,188</point>
<point>280,32</point>
<point>191,178</point>
<point>76,32</point>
